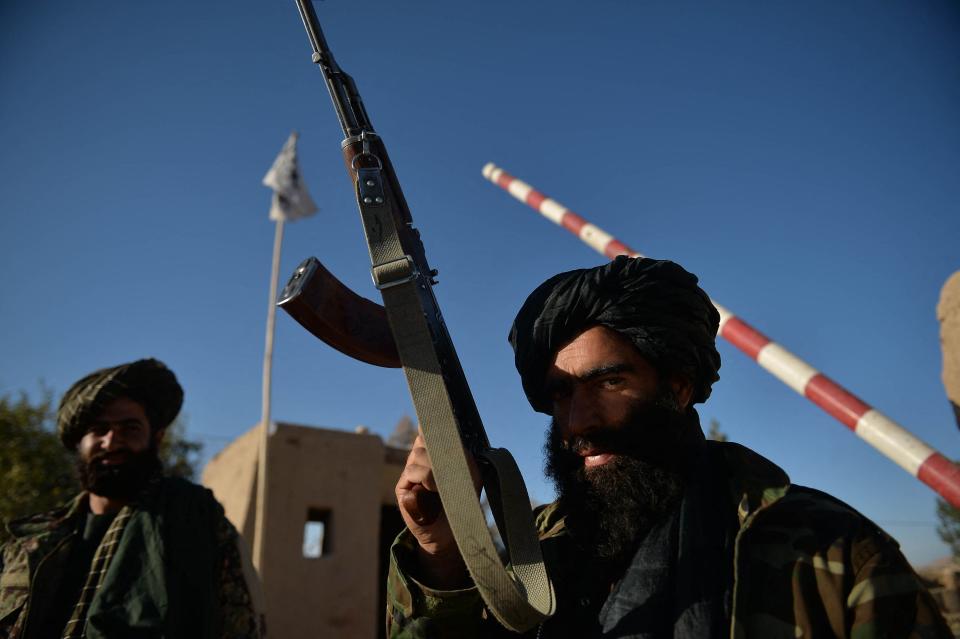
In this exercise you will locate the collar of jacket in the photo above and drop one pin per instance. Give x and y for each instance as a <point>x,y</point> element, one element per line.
<point>49,521</point>
<point>54,519</point>
<point>754,481</point>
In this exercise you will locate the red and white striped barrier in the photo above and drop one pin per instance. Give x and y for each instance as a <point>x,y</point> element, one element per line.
<point>878,430</point>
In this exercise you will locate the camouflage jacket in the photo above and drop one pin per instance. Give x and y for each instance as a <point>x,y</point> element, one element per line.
<point>805,565</point>
<point>168,577</point>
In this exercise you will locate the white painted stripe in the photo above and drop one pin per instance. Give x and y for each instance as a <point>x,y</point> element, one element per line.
<point>488,170</point>
<point>553,210</point>
<point>519,190</point>
<point>893,440</point>
<point>785,366</point>
<point>724,315</point>
<point>595,237</point>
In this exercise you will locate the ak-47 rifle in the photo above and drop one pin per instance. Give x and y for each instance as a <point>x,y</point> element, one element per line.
<point>409,330</point>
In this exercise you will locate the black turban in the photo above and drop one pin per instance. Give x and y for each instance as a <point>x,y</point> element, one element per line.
<point>146,381</point>
<point>656,304</point>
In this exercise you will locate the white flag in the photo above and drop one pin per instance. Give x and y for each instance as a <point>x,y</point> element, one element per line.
<point>290,198</point>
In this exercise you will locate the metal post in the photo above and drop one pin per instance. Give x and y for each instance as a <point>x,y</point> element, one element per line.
<point>261,512</point>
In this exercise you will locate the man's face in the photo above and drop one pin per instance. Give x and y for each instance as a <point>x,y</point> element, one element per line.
<point>118,453</point>
<point>616,446</point>
<point>597,382</point>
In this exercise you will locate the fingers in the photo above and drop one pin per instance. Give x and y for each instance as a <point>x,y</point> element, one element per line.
<point>416,490</point>
<point>439,563</point>
<point>418,470</point>
<point>423,505</point>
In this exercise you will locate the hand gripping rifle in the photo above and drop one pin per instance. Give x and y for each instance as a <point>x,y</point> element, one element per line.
<point>409,331</point>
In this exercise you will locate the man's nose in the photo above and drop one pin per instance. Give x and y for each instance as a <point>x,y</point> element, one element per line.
<point>109,440</point>
<point>582,414</point>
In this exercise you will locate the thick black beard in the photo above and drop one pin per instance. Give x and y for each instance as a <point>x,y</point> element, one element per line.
<point>610,508</point>
<point>120,481</point>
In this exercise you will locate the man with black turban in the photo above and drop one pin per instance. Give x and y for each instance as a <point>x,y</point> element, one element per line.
<point>136,553</point>
<point>656,533</point>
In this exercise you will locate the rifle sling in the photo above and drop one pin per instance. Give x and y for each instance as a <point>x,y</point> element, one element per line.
<point>519,601</point>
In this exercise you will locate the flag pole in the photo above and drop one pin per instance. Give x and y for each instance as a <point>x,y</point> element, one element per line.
<point>291,201</point>
<point>261,515</point>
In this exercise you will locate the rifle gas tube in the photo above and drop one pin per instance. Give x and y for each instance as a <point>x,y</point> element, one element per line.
<point>448,416</point>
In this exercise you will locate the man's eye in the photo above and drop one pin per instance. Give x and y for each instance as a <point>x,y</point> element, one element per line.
<point>611,382</point>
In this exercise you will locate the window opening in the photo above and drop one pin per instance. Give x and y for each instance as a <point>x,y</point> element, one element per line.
<point>316,533</point>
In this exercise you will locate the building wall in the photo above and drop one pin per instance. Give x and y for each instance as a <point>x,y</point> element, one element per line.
<point>948,312</point>
<point>232,476</point>
<point>350,476</point>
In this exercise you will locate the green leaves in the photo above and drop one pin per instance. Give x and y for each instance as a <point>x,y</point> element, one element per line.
<point>948,527</point>
<point>36,472</point>
<point>180,456</point>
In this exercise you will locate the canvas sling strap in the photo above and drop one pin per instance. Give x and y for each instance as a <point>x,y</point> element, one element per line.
<point>76,626</point>
<point>519,601</point>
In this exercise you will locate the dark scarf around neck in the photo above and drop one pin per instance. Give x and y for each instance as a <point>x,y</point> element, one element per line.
<point>679,583</point>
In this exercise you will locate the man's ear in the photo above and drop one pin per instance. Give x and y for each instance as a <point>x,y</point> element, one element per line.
<point>682,389</point>
<point>158,436</point>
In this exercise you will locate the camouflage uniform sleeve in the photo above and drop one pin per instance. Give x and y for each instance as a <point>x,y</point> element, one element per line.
<point>415,611</point>
<point>888,600</point>
<point>240,596</point>
<point>14,589</point>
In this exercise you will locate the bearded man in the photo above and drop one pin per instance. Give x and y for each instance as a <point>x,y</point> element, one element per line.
<point>656,533</point>
<point>135,554</point>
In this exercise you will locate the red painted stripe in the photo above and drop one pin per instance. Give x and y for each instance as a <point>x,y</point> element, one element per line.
<point>836,400</point>
<point>535,199</point>
<point>943,476</point>
<point>504,180</point>
<point>615,248</point>
<point>572,222</point>
<point>744,337</point>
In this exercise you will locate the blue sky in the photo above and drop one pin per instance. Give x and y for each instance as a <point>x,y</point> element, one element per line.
<point>801,158</point>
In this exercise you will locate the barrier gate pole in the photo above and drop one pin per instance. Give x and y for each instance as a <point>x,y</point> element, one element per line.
<point>887,436</point>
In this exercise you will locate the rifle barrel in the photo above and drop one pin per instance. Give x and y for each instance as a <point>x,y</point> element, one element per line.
<point>312,24</point>
<point>346,100</point>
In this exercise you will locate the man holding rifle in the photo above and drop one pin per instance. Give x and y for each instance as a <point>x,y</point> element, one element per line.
<point>135,554</point>
<point>656,532</point>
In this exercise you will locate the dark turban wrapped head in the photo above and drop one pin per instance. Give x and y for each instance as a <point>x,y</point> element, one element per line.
<point>146,381</point>
<point>656,304</point>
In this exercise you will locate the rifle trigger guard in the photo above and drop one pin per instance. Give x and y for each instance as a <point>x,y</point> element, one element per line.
<point>394,273</point>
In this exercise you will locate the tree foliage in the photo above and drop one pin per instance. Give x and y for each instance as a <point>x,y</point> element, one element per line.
<point>37,473</point>
<point>948,526</point>
<point>715,433</point>
<point>180,456</point>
